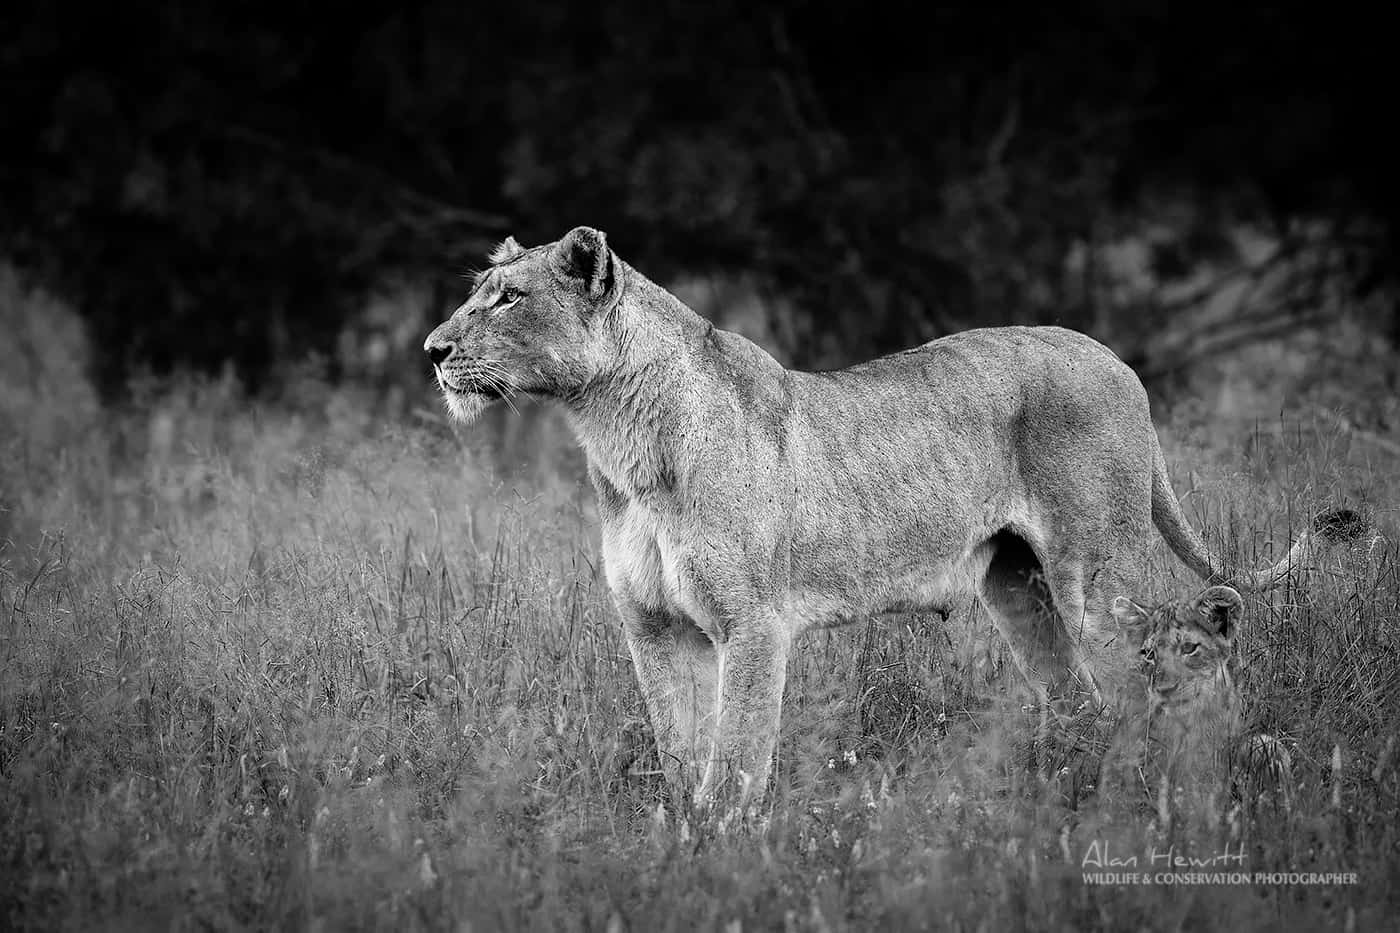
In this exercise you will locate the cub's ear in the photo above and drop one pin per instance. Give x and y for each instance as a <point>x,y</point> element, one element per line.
<point>1220,608</point>
<point>505,251</point>
<point>583,254</point>
<point>1127,612</point>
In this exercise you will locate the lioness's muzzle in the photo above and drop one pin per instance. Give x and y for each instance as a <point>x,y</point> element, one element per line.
<point>438,352</point>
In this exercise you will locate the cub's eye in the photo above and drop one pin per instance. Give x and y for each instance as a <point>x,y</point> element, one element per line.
<point>1189,647</point>
<point>509,296</point>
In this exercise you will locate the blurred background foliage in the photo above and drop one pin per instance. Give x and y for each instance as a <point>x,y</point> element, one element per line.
<point>231,187</point>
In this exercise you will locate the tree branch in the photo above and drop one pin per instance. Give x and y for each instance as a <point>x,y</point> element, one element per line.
<point>442,211</point>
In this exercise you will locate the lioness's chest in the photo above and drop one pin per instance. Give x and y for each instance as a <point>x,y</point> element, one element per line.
<point>647,559</point>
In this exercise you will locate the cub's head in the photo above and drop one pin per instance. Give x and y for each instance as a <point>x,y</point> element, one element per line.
<point>1185,646</point>
<point>534,323</point>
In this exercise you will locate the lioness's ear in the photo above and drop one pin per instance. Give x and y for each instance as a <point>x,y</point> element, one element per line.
<point>1127,612</point>
<point>505,251</point>
<point>583,254</point>
<point>1220,608</point>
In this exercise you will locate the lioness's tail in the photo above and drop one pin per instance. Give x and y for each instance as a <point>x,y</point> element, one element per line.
<point>1328,528</point>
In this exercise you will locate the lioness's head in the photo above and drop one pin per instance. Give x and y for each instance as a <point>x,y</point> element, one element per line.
<point>534,323</point>
<point>1185,645</point>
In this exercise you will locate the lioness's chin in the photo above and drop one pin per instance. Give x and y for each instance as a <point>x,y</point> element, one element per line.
<point>465,406</point>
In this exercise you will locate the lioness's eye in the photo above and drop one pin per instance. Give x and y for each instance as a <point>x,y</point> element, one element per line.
<point>509,296</point>
<point>1189,647</point>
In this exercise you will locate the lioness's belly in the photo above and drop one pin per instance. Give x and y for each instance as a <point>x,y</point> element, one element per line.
<point>916,580</point>
<point>649,561</point>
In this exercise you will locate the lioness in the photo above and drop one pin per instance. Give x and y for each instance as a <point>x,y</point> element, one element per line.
<point>743,503</point>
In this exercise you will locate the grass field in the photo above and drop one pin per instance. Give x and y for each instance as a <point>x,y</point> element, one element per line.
<point>282,666</point>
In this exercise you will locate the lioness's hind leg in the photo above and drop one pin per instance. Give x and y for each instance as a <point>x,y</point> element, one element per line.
<point>1082,612</point>
<point>1017,596</point>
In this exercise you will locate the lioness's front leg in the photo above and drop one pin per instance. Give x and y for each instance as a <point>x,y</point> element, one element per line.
<point>752,671</point>
<point>677,670</point>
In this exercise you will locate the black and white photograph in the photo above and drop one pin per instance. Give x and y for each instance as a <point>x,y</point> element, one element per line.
<point>732,466</point>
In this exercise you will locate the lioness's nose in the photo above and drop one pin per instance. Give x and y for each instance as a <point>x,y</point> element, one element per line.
<point>437,352</point>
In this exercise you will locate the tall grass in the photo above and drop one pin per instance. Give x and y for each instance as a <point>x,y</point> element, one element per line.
<point>293,666</point>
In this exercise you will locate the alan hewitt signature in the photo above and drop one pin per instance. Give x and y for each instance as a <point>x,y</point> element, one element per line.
<point>1099,855</point>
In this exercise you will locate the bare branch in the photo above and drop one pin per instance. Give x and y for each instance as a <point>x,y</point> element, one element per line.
<point>1010,122</point>
<point>1176,359</point>
<point>442,211</point>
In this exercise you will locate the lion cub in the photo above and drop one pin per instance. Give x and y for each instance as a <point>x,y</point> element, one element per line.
<point>1183,724</point>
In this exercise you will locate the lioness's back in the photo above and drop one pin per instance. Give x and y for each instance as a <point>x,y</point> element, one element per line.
<point>1039,389</point>
<point>1045,356</point>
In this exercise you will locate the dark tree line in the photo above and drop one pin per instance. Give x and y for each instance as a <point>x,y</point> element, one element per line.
<point>224,181</point>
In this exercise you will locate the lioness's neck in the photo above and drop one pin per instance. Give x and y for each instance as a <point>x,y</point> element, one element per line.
<point>630,415</point>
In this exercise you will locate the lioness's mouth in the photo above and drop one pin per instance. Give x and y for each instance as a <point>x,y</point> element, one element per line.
<point>485,391</point>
